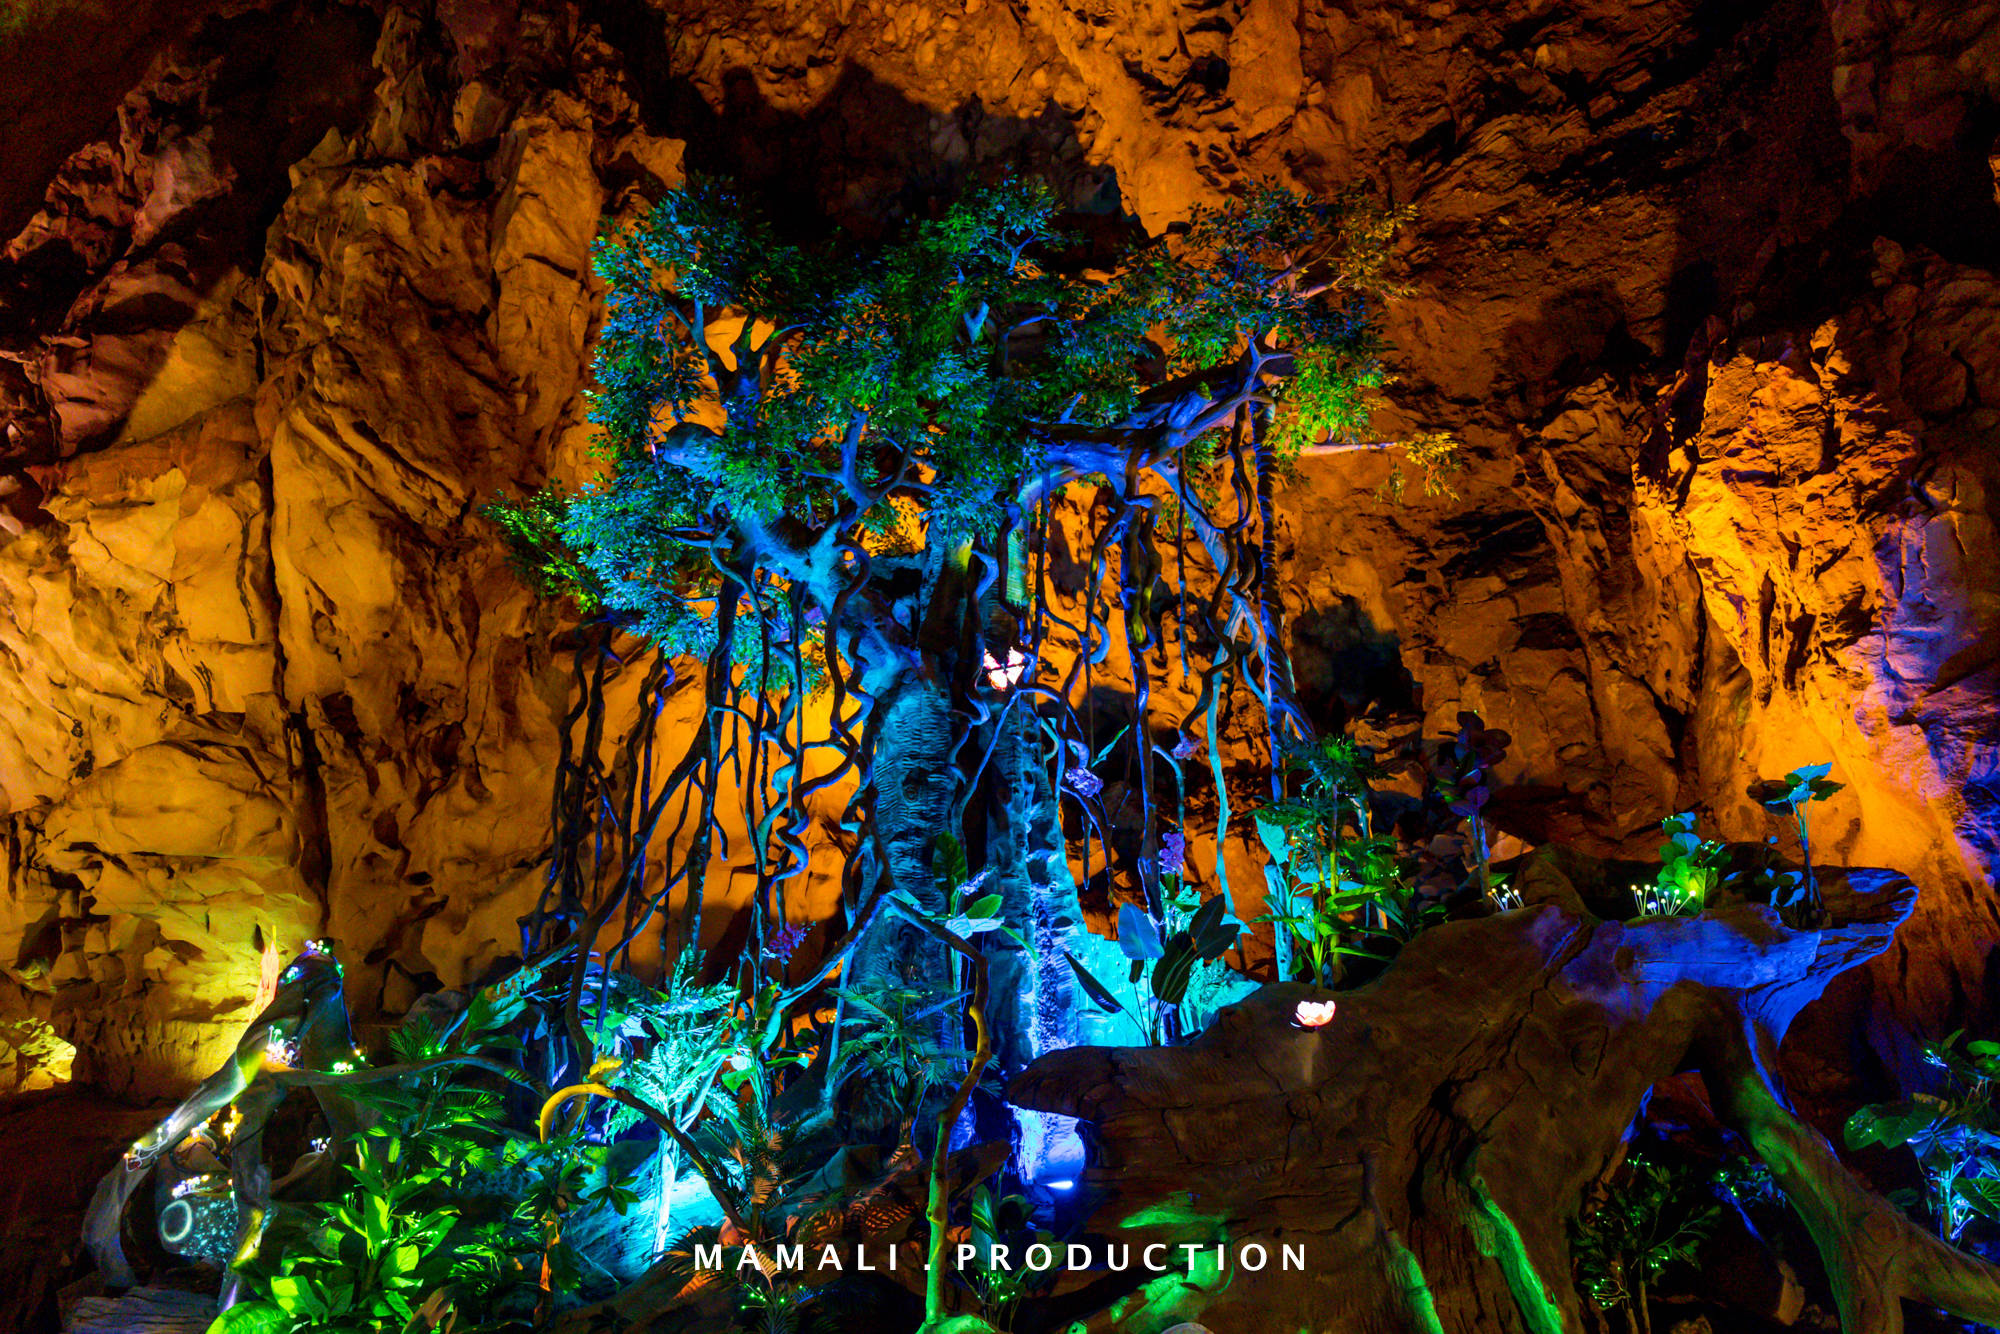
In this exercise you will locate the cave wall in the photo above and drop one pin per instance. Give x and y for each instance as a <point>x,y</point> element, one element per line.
<point>294,287</point>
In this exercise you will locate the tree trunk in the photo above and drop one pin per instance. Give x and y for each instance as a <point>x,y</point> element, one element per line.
<point>914,786</point>
<point>1034,1008</point>
<point>1425,1149</point>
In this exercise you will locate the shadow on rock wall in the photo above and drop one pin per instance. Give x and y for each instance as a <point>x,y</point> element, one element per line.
<point>320,292</point>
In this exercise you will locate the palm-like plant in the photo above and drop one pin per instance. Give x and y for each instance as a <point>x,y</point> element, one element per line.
<point>1328,863</point>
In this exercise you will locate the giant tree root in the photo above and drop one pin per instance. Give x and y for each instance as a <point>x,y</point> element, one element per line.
<point>1424,1151</point>
<point>308,1012</point>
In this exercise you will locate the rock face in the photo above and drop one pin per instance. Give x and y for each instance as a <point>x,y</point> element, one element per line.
<point>309,284</point>
<point>274,677</point>
<point>53,1148</point>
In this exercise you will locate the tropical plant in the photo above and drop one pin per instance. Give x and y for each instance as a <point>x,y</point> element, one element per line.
<point>767,1159</point>
<point>1690,868</point>
<point>1461,770</point>
<point>1793,794</point>
<point>1954,1134</point>
<point>1642,1220</point>
<point>1165,1003</point>
<point>1332,878</point>
<point>1002,1227</point>
<point>769,1154</point>
<point>679,1047</point>
<point>422,1228</point>
<point>774,1170</point>
<point>1213,982</point>
<point>686,1053</point>
<point>1307,914</point>
<point>902,1041</point>
<point>1162,966</point>
<point>377,1257</point>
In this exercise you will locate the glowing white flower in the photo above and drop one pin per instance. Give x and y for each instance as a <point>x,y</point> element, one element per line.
<point>1004,675</point>
<point>1313,1014</point>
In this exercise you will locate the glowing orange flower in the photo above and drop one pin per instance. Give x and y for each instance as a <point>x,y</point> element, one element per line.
<point>1313,1014</point>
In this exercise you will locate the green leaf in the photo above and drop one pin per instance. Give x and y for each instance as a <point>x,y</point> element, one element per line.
<point>1092,988</point>
<point>1982,1193</point>
<point>982,1211</point>
<point>1288,815</point>
<point>951,865</point>
<point>376,1218</point>
<point>251,1318</point>
<point>1175,967</point>
<point>1276,837</point>
<point>1213,933</point>
<point>289,1293</point>
<point>1890,1125</point>
<point>986,906</point>
<point>1138,938</point>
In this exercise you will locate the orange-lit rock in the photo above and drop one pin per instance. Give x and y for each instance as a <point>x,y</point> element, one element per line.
<point>1834,495</point>
<point>275,676</point>
<point>280,325</point>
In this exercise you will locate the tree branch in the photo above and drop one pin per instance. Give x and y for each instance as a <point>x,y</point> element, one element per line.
<point>1875,1258</point>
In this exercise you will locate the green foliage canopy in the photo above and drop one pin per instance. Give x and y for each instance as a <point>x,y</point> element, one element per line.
<point>767,406</point>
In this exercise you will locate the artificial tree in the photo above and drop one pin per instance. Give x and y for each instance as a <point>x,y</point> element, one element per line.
<point>832,477</point>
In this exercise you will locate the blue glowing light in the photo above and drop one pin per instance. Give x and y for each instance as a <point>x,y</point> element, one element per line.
<point>1062,1185</point>
<point>1050,1147</point>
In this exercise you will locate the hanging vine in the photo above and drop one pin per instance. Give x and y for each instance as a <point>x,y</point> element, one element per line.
<point>838,480</point>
